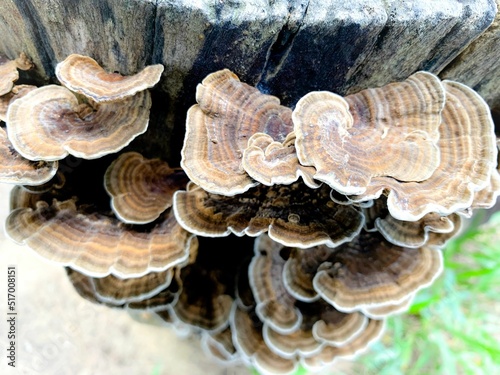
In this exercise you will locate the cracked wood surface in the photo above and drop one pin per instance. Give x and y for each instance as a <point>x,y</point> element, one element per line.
<point>284,47</point>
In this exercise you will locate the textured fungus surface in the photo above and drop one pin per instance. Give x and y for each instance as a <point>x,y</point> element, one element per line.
<point>218,128</point>
<point>249,341</point>
<point>468,159</point>
<point>84,75</point>
<point>141,189</point>
<point>274,163</point>
<point>387,174</point>
<point>432,229</point>
<point>364,273</point>
<point>50,122</point>
<point>274,305</point>
<point>149,292</point>
<point>9,71</point>
<point>95,244</point>
<point>17,92</point>
<point>14,169</point>
<point>389,131</point>
<point>370,271</point>
<point>116,291</point>
<point>329,353</point>
<point>294,215</point>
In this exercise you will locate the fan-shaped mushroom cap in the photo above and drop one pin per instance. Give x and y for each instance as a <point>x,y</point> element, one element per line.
<point>300,269</point>
<point>248,340</point>
<point>333,326</point>
<point>388,131</point>
<point>270,162</point>
<point>17,92</point>
<point>9,73</point>
<point>62,125</point>
<point>468,159</point>
<point>117,290</point>
<point>15,169</point>
<point>370,271</point>
<point>360,343</point>
<point>366,272</point>
<point>82,74</point>
<point>292,214</point>
<point>149,292</point>
<point>49,123</point>
<point>98,245</point>
<point>322,325</point>
<point>158,302</point>
<point>299,343</point>
<point>141,189</point>
<point>228,113</point>
<point>431,229</point>
<point>274,305</point>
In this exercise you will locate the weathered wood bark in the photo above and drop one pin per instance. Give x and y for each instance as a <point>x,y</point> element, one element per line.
<point>284,47</point>
<point>478,66</point>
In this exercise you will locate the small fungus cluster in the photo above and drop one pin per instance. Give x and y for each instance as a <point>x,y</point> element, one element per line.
<point>285,237</point>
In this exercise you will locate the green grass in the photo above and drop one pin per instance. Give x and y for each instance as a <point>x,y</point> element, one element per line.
<point>453,327</point>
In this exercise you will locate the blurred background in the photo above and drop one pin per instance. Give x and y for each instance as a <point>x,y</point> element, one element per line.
<point>453,327</point>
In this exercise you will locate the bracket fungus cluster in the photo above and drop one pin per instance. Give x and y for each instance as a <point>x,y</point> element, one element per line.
<point>285,237</point>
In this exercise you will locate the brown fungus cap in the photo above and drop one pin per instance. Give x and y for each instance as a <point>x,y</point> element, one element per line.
<point>388,131</point>
<point>98,245</point>
<point>329,354</point>
<point>117,290</point>
<point>248,340</point>
<point>322,325</point>
<point>270,162</point>
<point>158,302</point>
<point>294,215</point>
<point>49,123</point>
<point>14,169</point>
<point>273,303</point>
<point>487,197</point>
<point>17,92</point>
<point>468,160</point>
<point>9,71</point>
<point>364,273</point>
<point>291,327</point>
<point>84,75</point>
<point>432,229</point>
<point>141,189</point>
<point>370,271</point>
<point>334,327</point>
<point>300,343</point>
<point>299,271</point>
<point>83,286</point>
<point>218,128</point>
<point>148,292</point>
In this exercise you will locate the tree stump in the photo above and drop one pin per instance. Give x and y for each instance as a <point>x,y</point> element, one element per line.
<point>285,48</point>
